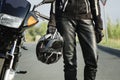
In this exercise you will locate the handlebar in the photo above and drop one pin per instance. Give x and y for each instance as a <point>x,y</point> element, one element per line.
<point>44,16</point>
<point>41,15</point>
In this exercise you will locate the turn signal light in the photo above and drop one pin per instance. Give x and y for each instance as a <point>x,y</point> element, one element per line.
<point>31,21</point>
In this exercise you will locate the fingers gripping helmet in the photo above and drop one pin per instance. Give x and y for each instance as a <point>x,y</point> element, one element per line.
<point>49,48</point>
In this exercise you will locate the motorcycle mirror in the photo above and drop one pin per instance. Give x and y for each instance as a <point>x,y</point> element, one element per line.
<point>48,1</point>
<point>43,2</point>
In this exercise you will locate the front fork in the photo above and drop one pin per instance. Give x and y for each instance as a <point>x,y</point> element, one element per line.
<point>11,58</point>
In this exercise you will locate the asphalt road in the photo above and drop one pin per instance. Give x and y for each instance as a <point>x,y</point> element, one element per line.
<point>109,65</point>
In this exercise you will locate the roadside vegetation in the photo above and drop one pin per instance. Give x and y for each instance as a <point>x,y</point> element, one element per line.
<point>113,41</point>
<point>36,32</point>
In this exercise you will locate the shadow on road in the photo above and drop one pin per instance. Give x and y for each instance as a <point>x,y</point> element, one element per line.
<point>111,51</point>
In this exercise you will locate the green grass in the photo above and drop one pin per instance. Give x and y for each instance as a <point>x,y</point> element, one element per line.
<point>112,43</point>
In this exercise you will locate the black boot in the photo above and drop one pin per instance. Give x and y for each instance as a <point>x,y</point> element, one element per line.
<point>89,73</point>
<point>70,75</point>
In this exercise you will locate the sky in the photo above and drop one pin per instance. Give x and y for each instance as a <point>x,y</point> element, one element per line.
<point>110,10</point>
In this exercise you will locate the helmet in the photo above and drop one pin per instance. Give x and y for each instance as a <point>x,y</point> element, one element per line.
<point>49,48</point>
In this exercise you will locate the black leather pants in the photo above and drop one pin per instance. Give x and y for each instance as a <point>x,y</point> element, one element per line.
<point>85,31</point>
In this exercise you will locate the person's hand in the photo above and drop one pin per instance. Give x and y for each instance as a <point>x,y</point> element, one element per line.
<point>51,30</point>
<point>99,35</point>
<point>98,29</point>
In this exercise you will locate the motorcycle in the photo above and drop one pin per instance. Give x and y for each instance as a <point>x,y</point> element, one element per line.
<point>15,18</point>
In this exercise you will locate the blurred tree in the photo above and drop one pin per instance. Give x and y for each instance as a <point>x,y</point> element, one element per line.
<point>113,29</point>
<point>36,30</point>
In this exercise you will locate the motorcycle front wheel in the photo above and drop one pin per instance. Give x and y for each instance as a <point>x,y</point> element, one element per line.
<point>2,68</point>
<point>6,73</point>
<point>2,60</point>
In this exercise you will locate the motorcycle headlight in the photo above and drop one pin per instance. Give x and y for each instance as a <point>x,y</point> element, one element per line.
<point>10,21</point>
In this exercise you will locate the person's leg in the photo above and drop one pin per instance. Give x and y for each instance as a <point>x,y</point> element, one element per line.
<point>67,30</point>
<point>87,40</point>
